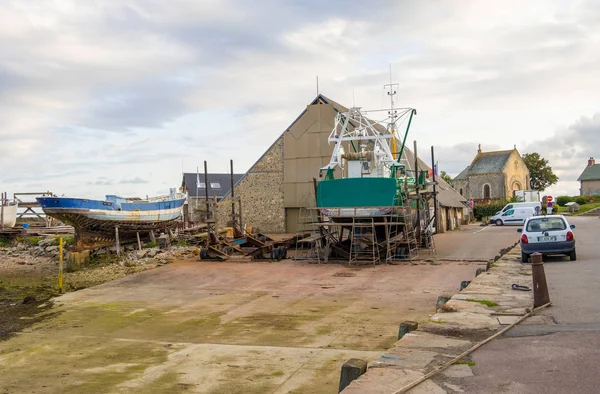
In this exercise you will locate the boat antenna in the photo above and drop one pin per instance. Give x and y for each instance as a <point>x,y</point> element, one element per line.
<point>393,113</point>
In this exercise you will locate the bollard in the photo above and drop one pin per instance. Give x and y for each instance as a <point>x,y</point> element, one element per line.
<point>406,327</point>
<point>351,370</point>
<point>464,284</point>
<point>540,287</point>
<point>441,301</point>
<point>479,271</point>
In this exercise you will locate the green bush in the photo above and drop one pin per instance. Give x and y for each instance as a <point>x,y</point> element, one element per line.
<point>581,200</point>
<point>563,200</point>
<point>31,241</point>
<point>487,210</point>
<point>68,240</point>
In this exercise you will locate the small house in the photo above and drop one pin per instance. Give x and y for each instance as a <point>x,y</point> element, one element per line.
<point>590,179</point>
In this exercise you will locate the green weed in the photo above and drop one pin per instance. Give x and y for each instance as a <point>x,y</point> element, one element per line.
<point>483,302</point>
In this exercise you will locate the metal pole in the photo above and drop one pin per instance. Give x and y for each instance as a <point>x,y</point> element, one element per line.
<point>412,112</point>
<point>435,202</point>
<point>206,184</point>
<point>60,266</point>
<point>2,209</point>
<point>233,221</point>
<point>418,232</point>
<point>540,287</point>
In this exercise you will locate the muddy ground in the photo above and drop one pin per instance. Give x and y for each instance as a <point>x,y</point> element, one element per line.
<point>28,282</point>
<point>223,327</point>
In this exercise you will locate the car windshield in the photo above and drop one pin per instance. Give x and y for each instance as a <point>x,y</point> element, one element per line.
<point>546,224</point>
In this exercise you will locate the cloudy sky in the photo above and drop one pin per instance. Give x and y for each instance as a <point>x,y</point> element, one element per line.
<point>119,96</point>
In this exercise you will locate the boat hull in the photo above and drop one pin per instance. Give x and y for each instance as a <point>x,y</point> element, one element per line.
<point>357,197</point>
<point>9,215</point>
<point>99,218</point>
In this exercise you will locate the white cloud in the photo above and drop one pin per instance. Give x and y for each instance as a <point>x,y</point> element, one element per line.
<point>136,88</point>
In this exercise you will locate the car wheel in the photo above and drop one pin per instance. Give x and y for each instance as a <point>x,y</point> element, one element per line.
<point>573,255</point>
<point>499,222</point>
<point>524,257</point>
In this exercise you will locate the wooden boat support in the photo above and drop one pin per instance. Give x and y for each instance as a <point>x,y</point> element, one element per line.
<point>255,248</point>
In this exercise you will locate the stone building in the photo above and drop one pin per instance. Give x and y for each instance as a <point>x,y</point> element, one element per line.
<point>590,179</point>
<point>195,185</point>
<point>493,175</point>
<point>277,187</point>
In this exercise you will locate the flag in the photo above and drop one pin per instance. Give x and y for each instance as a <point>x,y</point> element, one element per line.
<point>197,178</point>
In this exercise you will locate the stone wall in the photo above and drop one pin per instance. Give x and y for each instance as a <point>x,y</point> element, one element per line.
<point>476,183</point>
<point>589,188</point>
<point>261,192</point>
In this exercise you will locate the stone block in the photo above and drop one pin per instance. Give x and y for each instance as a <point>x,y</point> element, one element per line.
<point>351,370</point>
<point>406,327</point>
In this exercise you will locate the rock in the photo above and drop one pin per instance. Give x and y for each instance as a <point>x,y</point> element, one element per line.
<point>47,242</point>
<point>29,300</point>
<point>140,254</point>
<point>21,262</point>
<point>152,252</point>
<point>101,251</point>
<point>50,249</point>
<point>163,241</point>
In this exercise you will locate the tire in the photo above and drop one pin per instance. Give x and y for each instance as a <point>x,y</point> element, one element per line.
<point>573,255</point>
<point>499,222</point>
<point>524,257</point>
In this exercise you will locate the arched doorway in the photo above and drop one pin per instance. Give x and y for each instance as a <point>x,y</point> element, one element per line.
<point>515,186</point>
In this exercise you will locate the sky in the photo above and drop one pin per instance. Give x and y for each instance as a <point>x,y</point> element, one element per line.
<point>119,97</point>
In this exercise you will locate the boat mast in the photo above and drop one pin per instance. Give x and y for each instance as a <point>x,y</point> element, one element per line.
<point>393,113</point>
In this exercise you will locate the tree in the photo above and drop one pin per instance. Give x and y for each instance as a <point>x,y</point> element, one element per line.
<point>446,177</point>
<point>541,175</point>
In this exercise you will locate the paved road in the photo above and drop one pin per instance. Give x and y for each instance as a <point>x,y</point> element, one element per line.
<point>559,351</point>
<point>474,242</point>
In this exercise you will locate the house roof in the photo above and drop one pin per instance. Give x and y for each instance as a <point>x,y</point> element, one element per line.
<point>223,181</point>
<point>447,196</point>
<point>489,162</point>
<point>464,174</point>
<point>591,173</point>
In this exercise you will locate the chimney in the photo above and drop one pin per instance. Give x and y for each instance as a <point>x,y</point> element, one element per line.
<point>479,150</point>
<point>591,162</point>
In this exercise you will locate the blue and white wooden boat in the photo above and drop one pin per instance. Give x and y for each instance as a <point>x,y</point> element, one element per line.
<point>95,218</point>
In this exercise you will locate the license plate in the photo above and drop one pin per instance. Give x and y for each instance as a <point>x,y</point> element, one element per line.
<point>546,239</point>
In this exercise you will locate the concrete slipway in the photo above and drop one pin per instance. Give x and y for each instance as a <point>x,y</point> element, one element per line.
<point>223,328</point>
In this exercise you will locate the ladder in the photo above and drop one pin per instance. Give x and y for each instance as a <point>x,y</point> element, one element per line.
<point>363,241</point>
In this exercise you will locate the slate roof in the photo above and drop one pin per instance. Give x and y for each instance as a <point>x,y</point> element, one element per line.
<point>490,162</point>
<point>463,175</point>
<point>223,180</point>
<point>591,173</point>
<point>447,196</point>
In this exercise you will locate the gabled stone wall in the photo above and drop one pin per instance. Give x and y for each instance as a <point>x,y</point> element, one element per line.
<point>261,192</point>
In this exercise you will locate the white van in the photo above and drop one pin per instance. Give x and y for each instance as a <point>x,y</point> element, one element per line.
<point>537,206</point>
<point>513,216</point>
